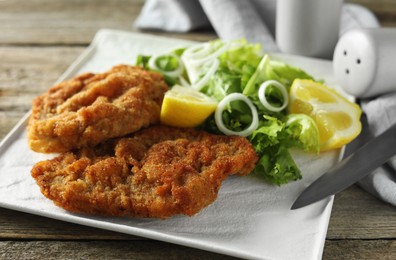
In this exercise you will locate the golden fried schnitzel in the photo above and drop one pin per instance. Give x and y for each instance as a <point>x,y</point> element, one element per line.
<point>91,108</point>
<point>158,172</point>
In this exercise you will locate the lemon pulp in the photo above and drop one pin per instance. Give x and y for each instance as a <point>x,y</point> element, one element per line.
<point>186,107</point>
<point>337,118</point>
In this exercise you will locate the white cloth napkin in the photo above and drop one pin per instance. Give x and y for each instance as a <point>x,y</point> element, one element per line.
<point>254,20</point>
<point>172,15</point>
<point>381,114</point>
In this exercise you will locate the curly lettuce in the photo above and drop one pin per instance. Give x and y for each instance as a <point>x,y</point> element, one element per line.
<point>221,68</point>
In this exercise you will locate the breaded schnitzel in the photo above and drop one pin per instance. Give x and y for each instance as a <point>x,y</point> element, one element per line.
<point>158,172</point>
<point>91,108</point>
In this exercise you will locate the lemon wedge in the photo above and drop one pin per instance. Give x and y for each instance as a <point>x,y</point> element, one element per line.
<point>337,118</point>
<point>186,107</point>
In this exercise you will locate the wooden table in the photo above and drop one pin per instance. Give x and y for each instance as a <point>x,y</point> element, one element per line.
<point>38,40</point>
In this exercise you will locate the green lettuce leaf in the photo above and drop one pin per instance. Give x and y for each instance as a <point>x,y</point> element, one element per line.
<point>223,83</point>
<point>236,66</point>
<point>258,77</point>
<point>242,68</point>
<point>272,140</point>
<point>267,134</point>
<point>275,164</point>
<point>278,166</point>
<point>241,57</point>
<point>285,73</point>
<point>301,131</point>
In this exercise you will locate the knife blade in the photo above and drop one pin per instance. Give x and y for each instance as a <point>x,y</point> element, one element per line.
<point>351,169</point>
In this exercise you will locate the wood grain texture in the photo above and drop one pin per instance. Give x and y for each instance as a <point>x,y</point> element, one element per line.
<point>357,214</point>
<point>70,22</point>
<point>15,226</point>
<point>26,72</point>
<point>354,249</point>
<point>63,21</point>
<point>360,249</point>
<point>146,249</point>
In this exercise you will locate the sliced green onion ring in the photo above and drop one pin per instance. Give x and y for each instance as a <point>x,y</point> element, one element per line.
<point>281,88</point>
<point>184,82</point>
<point>205,79</point>
<point>198,58</point>
<point>219,115</point>
<point>174,73</point>
<point>197,51</point>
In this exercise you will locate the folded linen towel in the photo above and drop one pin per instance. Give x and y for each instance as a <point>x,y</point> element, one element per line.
<point>172,15</point>
<point>381,114</point>
<point>255,21</point>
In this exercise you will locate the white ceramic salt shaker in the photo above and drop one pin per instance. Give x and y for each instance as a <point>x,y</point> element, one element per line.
<point>364,61</point>
<point>308,27</point>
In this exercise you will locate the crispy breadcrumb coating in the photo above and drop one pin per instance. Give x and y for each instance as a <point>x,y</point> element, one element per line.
<point>91,108</point>
<point>158,172</point>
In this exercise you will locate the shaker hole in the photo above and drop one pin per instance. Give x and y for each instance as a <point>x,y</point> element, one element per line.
<point>345,53</point>
<point>347,71</point>
<point>358,61</point>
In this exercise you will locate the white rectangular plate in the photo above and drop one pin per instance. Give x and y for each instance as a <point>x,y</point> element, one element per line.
<point>250,219</point>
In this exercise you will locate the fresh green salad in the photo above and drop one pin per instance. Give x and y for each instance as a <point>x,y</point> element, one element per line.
<point>253,91</point>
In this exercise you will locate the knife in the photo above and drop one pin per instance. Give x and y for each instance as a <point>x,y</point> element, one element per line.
<point>351,169</point>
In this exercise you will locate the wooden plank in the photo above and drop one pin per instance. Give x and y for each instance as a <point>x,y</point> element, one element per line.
<point>63,21</point>
<point>357,214</point>
<point>147,249</point>
<point>73,22</point>
<point>8,121</point>
<point>26,72</point>
<point>360,249</point>
<point>18,225</point>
